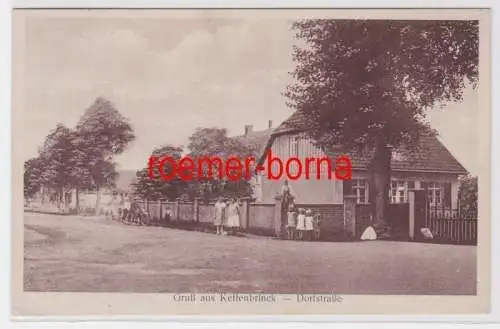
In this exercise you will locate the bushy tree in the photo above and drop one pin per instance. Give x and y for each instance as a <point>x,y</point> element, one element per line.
<point>54,161</point>
<point>365,85</point>
<point>81,158</point>
<point>467,196</point>
<point>207,142</point>
<point>156,188</point>
<point>100,134</point>
<point>32,176</point>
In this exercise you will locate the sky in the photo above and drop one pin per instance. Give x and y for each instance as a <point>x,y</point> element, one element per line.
<point>170,76</point>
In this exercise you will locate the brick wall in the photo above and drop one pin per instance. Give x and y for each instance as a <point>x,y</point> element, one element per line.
<point>332,218</point>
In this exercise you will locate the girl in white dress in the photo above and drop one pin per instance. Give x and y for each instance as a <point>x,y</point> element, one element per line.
<point>291,222</point>
<point>309,221</point>
<point>219,215</point>
<point>301,224</point>
<point>233,216</point>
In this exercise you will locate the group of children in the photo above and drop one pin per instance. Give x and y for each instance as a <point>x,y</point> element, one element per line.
<point>302,224</point>
<point>227,215</point>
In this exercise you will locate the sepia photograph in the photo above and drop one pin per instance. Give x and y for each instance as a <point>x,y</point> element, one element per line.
<point>292,161</point>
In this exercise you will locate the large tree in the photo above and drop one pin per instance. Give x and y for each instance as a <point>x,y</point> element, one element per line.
<point>100,134</point>
<point>53,164</point>
<point>33,169</point>
<point>156,188</point>
<point>365,85</point>
<point>214,142</point>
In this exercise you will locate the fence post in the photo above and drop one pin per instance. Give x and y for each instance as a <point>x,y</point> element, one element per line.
<point>411,217</point>
<point>160,211</point>
<point>350,215</point>
<point>146,204</point>
<point>417,199</point>
<point>196,210</point>
<point>277,216</point>
<point>246,213</point>
<point>177,210</point>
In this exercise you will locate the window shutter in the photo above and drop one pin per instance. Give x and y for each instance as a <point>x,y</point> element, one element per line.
<point>447,195</point>
<point>348,187</point>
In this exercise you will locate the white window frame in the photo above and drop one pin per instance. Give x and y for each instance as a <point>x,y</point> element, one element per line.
<point>357,187</point>
<point>432,187</point>
<point>401,185</point>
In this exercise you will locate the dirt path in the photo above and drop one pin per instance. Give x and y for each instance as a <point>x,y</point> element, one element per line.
<point>69,253</point>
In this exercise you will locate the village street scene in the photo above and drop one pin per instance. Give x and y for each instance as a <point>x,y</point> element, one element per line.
<point>398,99</point>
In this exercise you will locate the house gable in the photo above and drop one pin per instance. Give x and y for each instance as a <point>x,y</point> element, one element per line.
<point>429,165</point>
<point>430,155</point>
<point>257,140</point>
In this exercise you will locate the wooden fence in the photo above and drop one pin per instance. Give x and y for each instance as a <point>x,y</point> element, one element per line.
<point>451,226</point>
<point>255,217</point>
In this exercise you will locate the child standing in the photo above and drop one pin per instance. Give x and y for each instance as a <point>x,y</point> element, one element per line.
<point>291,222</point>
<point>126,209</point>
<point>309,224</point>
<point>219,216</point>
<point>301,224</point>
<point>317,227</point>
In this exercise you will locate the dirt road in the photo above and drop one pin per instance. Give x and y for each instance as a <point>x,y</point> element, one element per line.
<point>69,253</point>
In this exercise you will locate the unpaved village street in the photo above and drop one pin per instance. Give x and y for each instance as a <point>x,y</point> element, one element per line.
<point>71,253</point>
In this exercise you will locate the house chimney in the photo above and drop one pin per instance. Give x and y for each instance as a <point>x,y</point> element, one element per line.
<point>248,129</point>
<point>270,124</point>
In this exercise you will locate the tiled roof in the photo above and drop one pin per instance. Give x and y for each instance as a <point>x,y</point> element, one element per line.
<point>430,156</point>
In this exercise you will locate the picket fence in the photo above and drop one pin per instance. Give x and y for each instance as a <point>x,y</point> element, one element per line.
<point>452,226</point>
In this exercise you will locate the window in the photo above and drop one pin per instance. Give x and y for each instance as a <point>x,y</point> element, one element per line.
<point>399,192</point>
<point>435,194</point>
<point>360,188</point>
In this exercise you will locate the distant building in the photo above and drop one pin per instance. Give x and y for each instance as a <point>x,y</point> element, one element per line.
<point>256,140</point>
<point>87,199</point>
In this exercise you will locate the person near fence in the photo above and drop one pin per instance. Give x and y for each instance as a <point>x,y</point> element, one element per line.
<point>134,211</point>
<point>291,222</point>
<point>233,216</point>
<point>287,198</point>
<point>301,224</point>
<point>219,215</point>
<point>317,227</point>
<point>287,191</point>
<point>126,209</point>
<point>169,215</point>
<point>309,224</point>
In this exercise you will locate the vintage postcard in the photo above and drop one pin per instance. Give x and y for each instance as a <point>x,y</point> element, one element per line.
<point>251,162</point>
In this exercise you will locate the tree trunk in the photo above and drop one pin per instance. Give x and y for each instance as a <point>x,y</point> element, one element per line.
<point>61,198</point>
<point>380,176</point>
<point>97,200</point>
<point>77,201</point>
